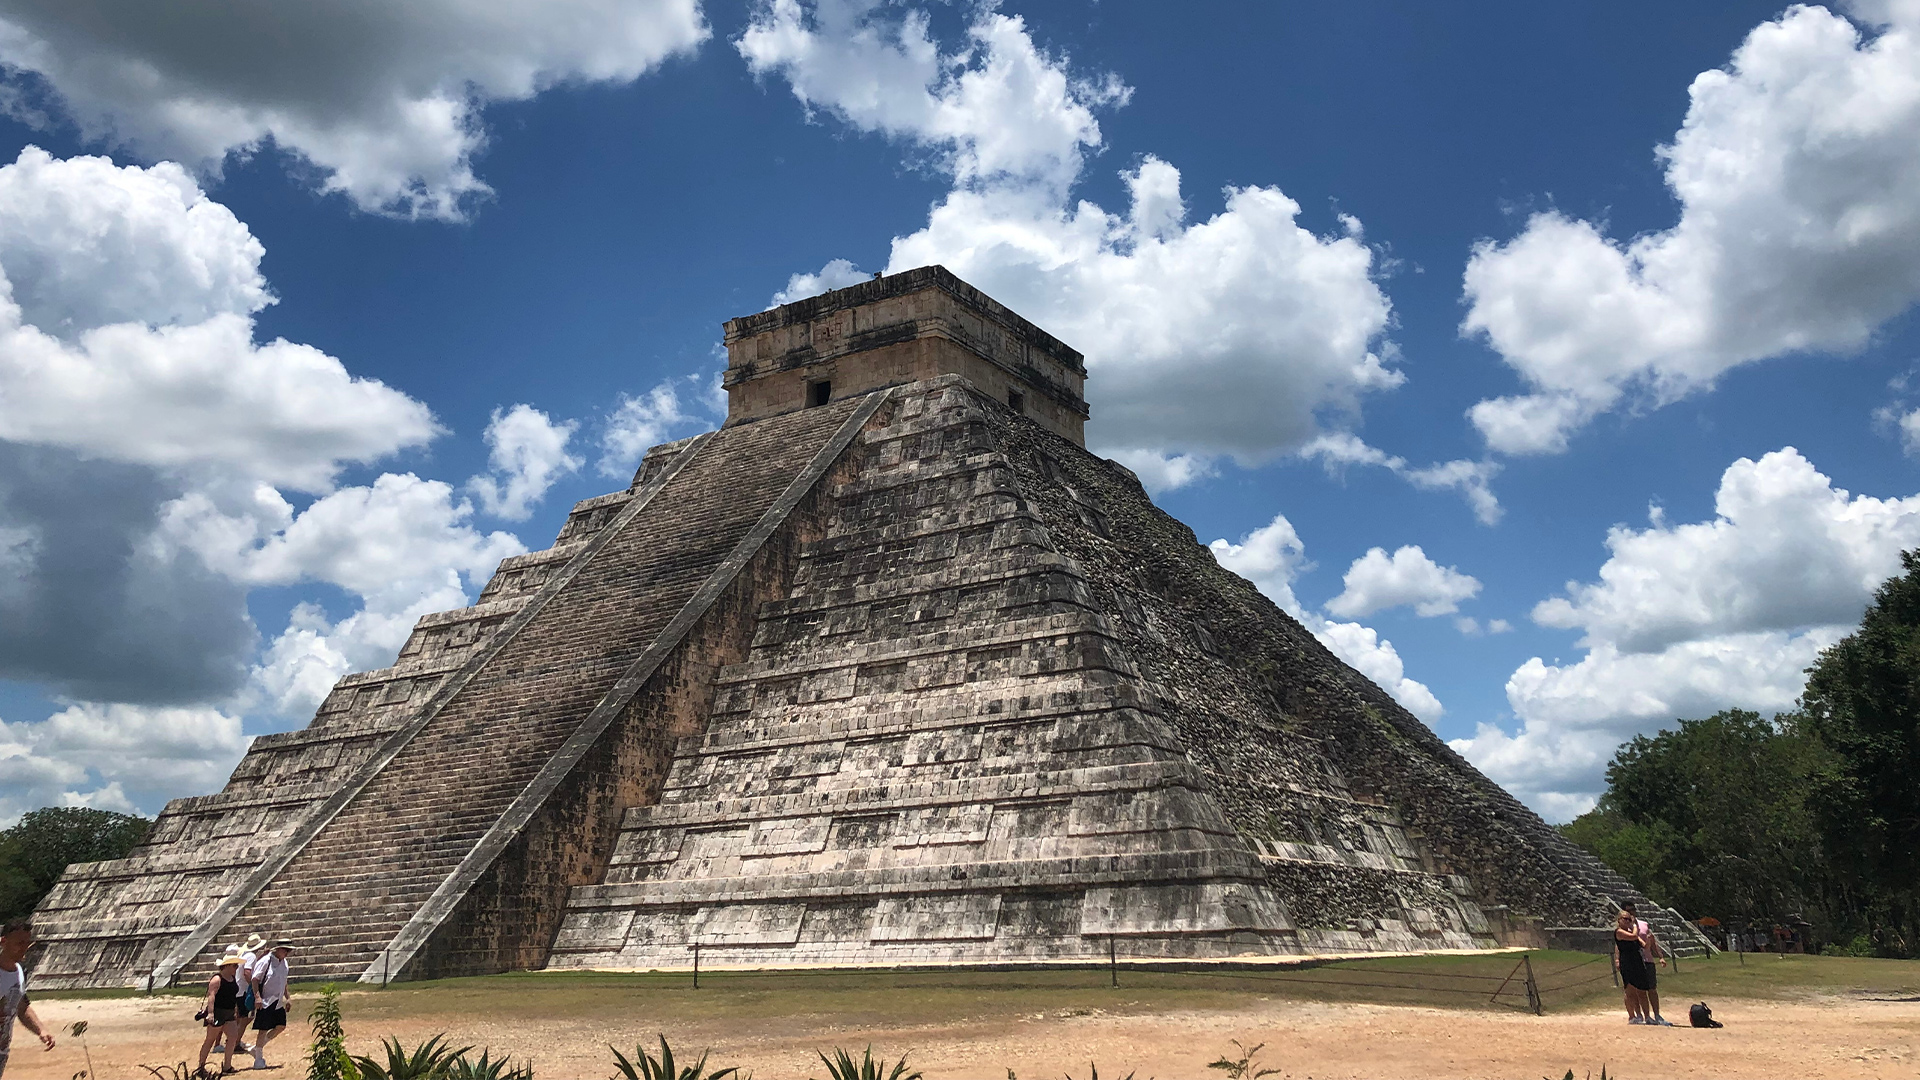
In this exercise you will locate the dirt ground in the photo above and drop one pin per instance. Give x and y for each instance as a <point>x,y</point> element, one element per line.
<point>1038,1032</point>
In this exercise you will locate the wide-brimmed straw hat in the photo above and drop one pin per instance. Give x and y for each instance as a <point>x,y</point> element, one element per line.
<point>254,943</point>
<point>225,960</point>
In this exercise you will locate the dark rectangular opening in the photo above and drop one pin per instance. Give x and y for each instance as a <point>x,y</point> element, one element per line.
<point>819,393</point>
<point>1016,401</point>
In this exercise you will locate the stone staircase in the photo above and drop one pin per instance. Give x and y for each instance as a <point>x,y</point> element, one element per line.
<point>355,885</point>
<point>1676,934</point>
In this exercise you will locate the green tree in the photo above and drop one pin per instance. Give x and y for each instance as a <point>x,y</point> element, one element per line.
<point>1863,702</point>
<point>35,851</point>
<point>1712,817</point>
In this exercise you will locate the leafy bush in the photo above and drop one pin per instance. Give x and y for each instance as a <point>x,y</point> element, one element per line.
<point>841,1066</point>
<point>645,1066</point>
<point>327,1055</point>
<point>431,1060</point>
<point>1861,945</point>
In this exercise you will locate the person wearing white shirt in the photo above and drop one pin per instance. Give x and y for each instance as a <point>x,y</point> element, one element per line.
<point>270,990</point>
<point>15,939</point>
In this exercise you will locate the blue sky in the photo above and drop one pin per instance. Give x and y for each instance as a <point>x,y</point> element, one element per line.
<point>1503,327</point>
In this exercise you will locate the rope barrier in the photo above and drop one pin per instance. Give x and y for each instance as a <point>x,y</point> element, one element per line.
<point>1571,985</point>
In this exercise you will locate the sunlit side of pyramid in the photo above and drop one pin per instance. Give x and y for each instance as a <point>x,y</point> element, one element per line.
<point>887,669</point>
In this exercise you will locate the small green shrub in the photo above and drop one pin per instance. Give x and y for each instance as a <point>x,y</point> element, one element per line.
<point>841,1066</point>
<point>645,1066</point>
<point>1861,945</point>
<point>1244,1067</point>
<point>327,1055</point>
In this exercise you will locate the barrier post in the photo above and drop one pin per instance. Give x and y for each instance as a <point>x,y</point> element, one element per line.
<point>384,960</point>
<point>1533,988</point>
<point>1113,963</point>
<point>149,984</point>
<point>696,965</point>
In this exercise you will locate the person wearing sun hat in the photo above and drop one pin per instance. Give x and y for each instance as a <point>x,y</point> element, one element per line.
<point>249,955</point>
<point>221,1011</point>
<point>270,986</point>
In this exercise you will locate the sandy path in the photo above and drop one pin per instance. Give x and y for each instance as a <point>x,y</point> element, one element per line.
<point>1818,1039</point>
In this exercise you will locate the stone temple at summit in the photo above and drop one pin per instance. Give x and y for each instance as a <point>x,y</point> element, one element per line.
<point>887,669</point>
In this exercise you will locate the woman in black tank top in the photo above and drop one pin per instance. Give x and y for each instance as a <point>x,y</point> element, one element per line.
<point>1633,969</point>
<point>221,1012</point>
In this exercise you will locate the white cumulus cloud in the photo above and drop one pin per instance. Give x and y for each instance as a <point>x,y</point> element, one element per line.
<point>640,423</point>
<point>1272,557</point>
<point>150,359</point>
<point>1377,581</point>
<point>1688,619</point>
<point>836,274</point>
<point>1242,335</point>
<point>527,452</point>
<point>1797,171</point>
<point>114,757</point>
<point>384,99</point>
<point>402,546</point>
<point>1336,451</point>
<point>146,392</point>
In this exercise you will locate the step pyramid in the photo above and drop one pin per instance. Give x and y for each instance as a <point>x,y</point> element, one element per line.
<point>888,669</point>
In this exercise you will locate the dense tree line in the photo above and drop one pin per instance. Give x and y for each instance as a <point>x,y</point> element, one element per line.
<point>36,849</point>
<point>1815,812</point>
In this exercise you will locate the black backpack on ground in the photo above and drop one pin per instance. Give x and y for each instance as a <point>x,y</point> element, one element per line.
<point>1703,1016</point>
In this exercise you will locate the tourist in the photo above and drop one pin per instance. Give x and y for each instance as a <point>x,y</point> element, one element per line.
<point>15,938</point>
<point>270,987</point>
<point>1650,954</point>
<point>221,1013</point>
<point>249,955</point>
<point>1633,971</point>
<point>249,951</point>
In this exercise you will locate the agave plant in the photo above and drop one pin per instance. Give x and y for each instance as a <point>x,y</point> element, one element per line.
<point>841,1066</point>
<point>431,1060</point>
<point>645,1066</point>
<point>488,1068</point>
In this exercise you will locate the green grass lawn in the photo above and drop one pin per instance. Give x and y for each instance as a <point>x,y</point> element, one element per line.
<point>1568,981</point>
